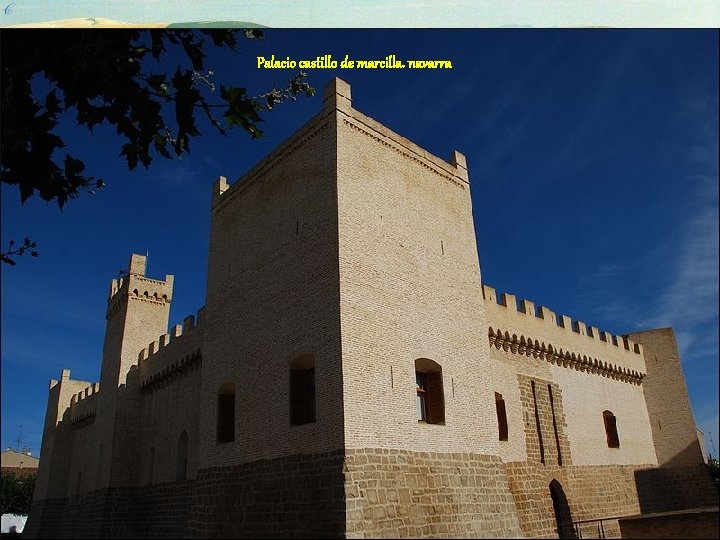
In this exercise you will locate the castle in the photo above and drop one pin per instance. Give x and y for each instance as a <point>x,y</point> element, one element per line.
<point>351,376</point>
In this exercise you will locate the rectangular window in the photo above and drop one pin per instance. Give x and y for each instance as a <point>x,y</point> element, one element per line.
<point>421,385</point>
<point>613,441</point>
<point>226,418</point>
<point>501,416</point>
<point>302,396</point>
<point>151,465</point>
<point>429,390</point>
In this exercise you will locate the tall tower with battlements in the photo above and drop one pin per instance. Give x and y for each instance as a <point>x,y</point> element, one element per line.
<point>137,312</point>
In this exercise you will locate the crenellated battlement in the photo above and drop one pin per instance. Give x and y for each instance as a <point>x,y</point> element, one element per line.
<point>116,285</point>
<point>517,320</point>
<point>83,404</point>
<point>137,287</point>
<point>172,352</point>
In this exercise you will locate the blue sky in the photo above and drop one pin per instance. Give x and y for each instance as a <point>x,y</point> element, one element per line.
<point>380,13</point>
<point>594,170</point>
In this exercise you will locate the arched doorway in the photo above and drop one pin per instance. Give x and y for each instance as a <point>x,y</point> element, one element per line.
<point>563,517</point>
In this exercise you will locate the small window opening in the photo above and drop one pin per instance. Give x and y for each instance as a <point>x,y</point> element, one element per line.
<point>302,390</point>
<point>182,449</point>
<point>501,417</point>
<point>151,466</point>
<point>226,413</point>
<point>98,472</point>
<point>429,392</point>
<point>613,441</point>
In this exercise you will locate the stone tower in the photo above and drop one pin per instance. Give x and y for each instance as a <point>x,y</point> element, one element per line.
<point>346,262</point>
<point>137,312</point>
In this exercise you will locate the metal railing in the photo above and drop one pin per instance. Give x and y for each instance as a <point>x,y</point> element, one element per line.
<point>577,525</point>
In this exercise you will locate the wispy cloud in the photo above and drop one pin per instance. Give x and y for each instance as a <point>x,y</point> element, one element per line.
<point>692,296</point>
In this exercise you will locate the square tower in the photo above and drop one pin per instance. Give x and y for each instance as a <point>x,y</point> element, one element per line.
<point>344,316</point>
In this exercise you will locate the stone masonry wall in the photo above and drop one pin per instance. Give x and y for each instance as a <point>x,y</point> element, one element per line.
<point>592,492</point>
<point>294,496</point>
<point>273,296</point>
<point>297,496</point>
<point>401,494</point>
<point>672,422</point>
<point>410,289</point>
<point>151,512</point>
<point>168,408</point>
<point>550,445</point>
<point>690,524</point>
<point>57,438</point>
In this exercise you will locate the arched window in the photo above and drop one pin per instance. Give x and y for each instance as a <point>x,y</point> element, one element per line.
<point>182,448</point>
<point>226,413</point>
<point>611,433</point>
<point>302,390</point>
<point>429,390</point>
<point>502,417</point>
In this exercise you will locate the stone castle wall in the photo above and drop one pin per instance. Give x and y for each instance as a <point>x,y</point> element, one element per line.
<point>353,246</point>
<point>294,496</point>
<point>408,259</point>
<point>272,296</point>
<point>672,422</point>
<point>58,436</point>
<point>168,409</point>
<point>395,493</point>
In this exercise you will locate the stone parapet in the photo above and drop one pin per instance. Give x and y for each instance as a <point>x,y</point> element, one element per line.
<point>171,353</point>
<point>83,405</point>
<point>522,320</point>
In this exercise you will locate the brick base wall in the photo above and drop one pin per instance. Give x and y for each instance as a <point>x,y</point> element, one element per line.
<point>596,492</point>
<point>372,493</point>
<point>667,489</point>
<point>295,496</point>
<point>683,524</point>
<point>400,494</point>
<point>591,492</point>
<point>151,512</point>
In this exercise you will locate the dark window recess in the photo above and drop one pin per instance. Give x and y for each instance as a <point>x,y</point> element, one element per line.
<point>501,417</point>
<point>226,413</point>
<point>613,441</point>
<point>182,450</point>
<point>151,465</point>
<point>302,390</point>
<point>429,391</point>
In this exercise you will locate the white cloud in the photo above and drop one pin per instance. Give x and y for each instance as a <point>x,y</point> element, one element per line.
<point>693,293</point>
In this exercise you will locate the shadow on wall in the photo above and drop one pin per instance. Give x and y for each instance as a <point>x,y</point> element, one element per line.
<point>676,487</point>
<point>691,455</point>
